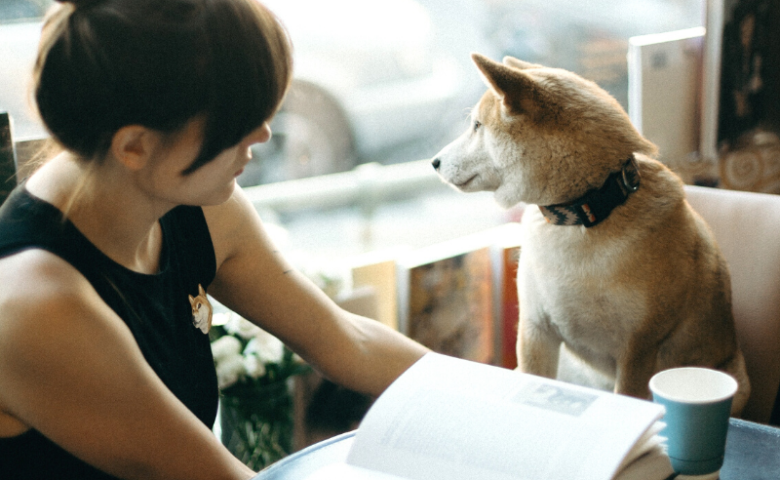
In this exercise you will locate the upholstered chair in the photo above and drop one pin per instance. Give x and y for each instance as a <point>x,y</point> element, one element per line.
<point>747,228</point>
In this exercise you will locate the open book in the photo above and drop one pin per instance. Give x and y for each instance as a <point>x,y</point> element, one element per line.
<point>452,419</point>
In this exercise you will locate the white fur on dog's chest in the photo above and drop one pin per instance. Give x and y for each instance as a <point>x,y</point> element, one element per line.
<point>573,284</point>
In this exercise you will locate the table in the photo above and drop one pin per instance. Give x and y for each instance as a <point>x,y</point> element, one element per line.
<point>752,453</point>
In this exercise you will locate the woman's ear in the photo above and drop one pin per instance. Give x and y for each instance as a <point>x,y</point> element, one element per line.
<point>133,145</point>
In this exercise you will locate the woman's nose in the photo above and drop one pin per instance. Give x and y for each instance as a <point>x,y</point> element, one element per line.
<point>264,133</point>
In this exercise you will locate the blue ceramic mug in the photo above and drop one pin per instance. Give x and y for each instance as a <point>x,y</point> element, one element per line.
<point>698,404</point>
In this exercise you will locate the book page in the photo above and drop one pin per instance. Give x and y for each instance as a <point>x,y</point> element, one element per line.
<point>344,471</point>
<point>452,419</point>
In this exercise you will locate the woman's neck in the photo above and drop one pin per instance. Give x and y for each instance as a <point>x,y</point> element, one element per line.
<point>116,217</point>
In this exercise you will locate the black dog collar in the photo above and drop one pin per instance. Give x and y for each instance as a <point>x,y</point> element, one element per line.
<point>598,203</point>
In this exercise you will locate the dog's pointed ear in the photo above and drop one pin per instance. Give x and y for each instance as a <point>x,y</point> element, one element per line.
<point>519,92</point>
<point>519,64</point>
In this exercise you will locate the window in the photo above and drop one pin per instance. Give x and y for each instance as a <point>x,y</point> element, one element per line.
<point>395,77</point>
<point>389,82</point>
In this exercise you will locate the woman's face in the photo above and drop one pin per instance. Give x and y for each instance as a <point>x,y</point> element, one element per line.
<point>212,183</point>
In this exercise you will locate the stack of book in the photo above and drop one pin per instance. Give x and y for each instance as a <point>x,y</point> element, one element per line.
<point>457,297</point>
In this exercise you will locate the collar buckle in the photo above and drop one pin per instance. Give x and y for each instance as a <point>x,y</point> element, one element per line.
<point>630,176</point>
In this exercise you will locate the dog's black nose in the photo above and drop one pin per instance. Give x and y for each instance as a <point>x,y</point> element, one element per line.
<point>436,162</point>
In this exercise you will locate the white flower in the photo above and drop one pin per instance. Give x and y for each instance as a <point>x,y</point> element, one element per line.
<point>225,347</point>
<point>233,364</point>
<point>266,347</point>
<point>230,370</point>
<point>220,319</point>
<point>237,325</point>
<point>253,366</point>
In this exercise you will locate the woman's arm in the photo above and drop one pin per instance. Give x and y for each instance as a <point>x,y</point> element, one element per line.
<point>255,281</point>
<point>70,368</point>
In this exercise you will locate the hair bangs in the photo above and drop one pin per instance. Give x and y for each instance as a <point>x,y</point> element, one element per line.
<point>248,69</point>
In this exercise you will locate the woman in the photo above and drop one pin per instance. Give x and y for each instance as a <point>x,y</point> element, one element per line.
<point>102,372</point>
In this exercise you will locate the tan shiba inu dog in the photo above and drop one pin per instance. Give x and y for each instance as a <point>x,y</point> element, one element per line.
<point>615,266</point>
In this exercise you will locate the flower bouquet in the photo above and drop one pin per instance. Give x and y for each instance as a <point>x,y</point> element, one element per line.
<point>254,371</point>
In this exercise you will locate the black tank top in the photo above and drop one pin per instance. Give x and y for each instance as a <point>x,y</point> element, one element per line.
<point>156,308</point>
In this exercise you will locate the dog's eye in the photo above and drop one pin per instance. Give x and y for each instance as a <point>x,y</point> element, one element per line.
<point>477,124</point>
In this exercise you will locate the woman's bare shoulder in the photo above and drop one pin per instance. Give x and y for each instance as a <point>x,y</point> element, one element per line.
<point>70,368</point>
<point>46,308</point>
<point>44,300</point>
<point>43,297</point>
<point>35,278</point>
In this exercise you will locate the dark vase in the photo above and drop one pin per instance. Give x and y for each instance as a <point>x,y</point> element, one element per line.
<point>257,423</point>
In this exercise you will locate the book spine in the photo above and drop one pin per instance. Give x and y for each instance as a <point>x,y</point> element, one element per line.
<point>7,157</point>
<point>403,291</point>
<point>635,84</point>
<point>711,71</point>
<point>510,307</point>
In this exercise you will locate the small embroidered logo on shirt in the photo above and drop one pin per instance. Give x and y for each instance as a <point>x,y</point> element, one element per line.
<point>201,310</point>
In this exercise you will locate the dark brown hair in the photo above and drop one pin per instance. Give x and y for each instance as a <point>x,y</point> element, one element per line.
<point>106,64</point>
